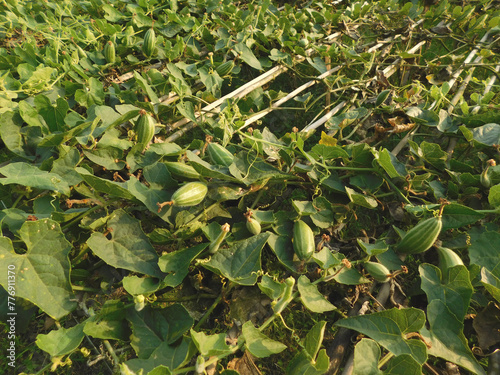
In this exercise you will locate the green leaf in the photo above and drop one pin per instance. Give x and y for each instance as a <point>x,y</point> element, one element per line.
<point>366,358</point>
<point>423,116</point>
<point>102,185</point>
<point>389,328</point>
<point>128,248</point>
<point>169,356</point>
<point>187,110</point>
<point>211,79</point>
<point>389,163</point>
<point>301,364</point>
<point>403,365</point>
<point>240,262</point>
<point>109,323</point>
<point>61,341</point>
<point>10,131</point>
<point>456,216</point>
<point>148,196</point>
<point>311,360</point>
<point>247,56</point>
<point>318,64</point>
<point>136,285</point>
<point>369,182</point>
<point>29,114</point>
<point>447,338</point>
<point>448,303</point>
<point>432,154</point>
<point>311,297</point>
<point>28,175</point>
<point>282,248</point>
<point>160,370</point>
<point>65,165</point>
<point>271,288</point>
<point>143,84</point>
<point>314,339</point>
<point>207,170</point>
<point>491,283</point>
<point>361,199</point>
<point>209,345</point>
<point>487,135</point>
<point>350,276</point>
<point>328,152</point>
<point>259,344</point>
<point>93,95</point>
<point>304,208</point>
<point>345,119</point>
<point>176,264</point>
<point>153,327</point>
<point>158,176</point>
<point>454,291</point>
<point>484,252</point>
<point>371,249</point>
<point>326,259</point>
<point>42,273</point>
<point>53,115</point>
<point>108,157</point>
<point>494,196</point>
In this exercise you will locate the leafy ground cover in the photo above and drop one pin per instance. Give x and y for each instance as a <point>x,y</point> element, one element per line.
<point>250,187</point>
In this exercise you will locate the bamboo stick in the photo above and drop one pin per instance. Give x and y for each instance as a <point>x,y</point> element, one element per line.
<point>455,99</point>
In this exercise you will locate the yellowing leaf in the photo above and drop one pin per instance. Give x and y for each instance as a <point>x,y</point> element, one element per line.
<point>327,140</point>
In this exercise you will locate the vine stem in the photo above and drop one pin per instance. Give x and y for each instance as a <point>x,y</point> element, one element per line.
<point>84,250</point>
<point>42,371</point>
<point>111,352</point>
<point>214,305</point>
<point>208,312</point>
<point>385,359</point>
<point>79,217</point>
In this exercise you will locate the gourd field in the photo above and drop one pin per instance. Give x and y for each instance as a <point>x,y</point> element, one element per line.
<point>250,187</point>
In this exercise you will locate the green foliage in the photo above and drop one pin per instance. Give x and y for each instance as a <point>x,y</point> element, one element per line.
<point>132,231</point>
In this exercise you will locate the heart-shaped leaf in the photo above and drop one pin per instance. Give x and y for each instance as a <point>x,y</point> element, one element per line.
<point>128,248</point>
<point>240,262</point>
<point>389,328</point>
<point>41,274</point>
<point>259,344</point>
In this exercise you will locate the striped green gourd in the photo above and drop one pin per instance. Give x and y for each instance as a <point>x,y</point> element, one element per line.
<point>219,155</point>
<point>225,68</point>
<point>109,52</point>
<point>421,237</point>
<point>303,240</point>
<point>148,47</point>
<point>182,170</point>
<point>190,194</point>
<point>144,130</point>
<point>378,271</point>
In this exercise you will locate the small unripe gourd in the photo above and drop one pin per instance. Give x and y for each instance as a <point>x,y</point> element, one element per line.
<point>148,47</point>
<point>378,271</point>
<point>253,226</point>
<point>219,155</point>
<point>109,52</point>
<point>144,129</point>
<point>182,170</point>
<point>303,240</point>
<point>190,194</point>
<point>225,68</point>
<point>421,237</point>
